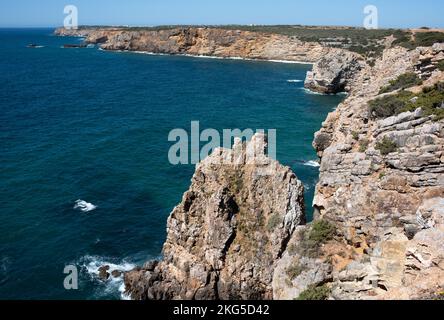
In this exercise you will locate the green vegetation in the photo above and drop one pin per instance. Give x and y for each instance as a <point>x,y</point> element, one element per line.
<point>382,175</point>
<point>315,293</point>
<point>322,231</point>
<point>386,146</point>
<point>426,39</point>
<point>441,65</point>
<point>355,135</point>
<point>431,100</point>
<point>404,81</point>
<point>390,105</point>
<point>420,39</point>
<point>273,222</point>
<point>363,145</point>
<point>294,271</point>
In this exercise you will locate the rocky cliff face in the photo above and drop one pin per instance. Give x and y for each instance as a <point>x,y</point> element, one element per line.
<point>388,207</point>
<point>226,236</point>
<point>205,42</point>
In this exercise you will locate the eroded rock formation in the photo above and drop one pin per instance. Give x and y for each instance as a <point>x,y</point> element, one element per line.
<point>226,236</point>
<point>334,72</point>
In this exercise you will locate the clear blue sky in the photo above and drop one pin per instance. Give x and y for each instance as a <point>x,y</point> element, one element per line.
<point>392,13</point>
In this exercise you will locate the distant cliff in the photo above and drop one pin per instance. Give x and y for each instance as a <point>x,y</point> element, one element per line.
<point>203,41</point>
<point>333,71</point>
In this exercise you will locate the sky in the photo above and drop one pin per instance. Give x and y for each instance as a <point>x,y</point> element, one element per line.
<point>392,13</point>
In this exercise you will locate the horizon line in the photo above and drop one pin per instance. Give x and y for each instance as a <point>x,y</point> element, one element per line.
<point>213,25</point>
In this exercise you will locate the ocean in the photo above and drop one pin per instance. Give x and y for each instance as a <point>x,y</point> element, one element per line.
<point>85,124</point>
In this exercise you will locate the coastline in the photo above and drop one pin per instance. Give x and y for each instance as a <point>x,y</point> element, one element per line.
<point>377,240</point>
<point>210,57</point>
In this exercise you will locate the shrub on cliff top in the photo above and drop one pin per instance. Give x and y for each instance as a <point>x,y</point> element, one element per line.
<point>420,39</point>
<point>315,293</point>
<point>404,81</point>
<point>388,106</point>
<point>430,100</point>
<point>427,39</point>
<point>386,146</point>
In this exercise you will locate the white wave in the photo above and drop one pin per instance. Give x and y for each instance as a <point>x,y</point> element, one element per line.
<point>308,91</point>
<point>291,62</point>
<point>92,265</point>
<point>295,81</point>
<point>213,57</point>
<point>84,206</point>
<point>312,163</point>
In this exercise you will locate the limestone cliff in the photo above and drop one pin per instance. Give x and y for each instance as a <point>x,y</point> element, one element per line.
<point>387,206</point>
<point>204,42</point>
<point>226,236</point>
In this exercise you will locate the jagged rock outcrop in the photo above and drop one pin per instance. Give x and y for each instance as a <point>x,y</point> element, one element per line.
<point>203,42</point>
<point>230,230</point>
<point>334,72</point>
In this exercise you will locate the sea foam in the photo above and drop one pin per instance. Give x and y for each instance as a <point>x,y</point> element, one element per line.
<point>312,163</point>
<point>91,265</point>
<point>84,206</point>
<point>295,81</point>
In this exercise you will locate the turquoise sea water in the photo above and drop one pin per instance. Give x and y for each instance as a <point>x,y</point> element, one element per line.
<point>93,125</point>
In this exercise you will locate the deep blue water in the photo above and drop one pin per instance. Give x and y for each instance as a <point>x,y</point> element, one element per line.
<point>93,125</point>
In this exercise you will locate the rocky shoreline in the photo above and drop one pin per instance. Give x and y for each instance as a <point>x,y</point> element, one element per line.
<point>378,231</point>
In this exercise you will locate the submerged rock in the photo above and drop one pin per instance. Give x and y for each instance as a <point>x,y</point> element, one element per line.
<point>103,273</point>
